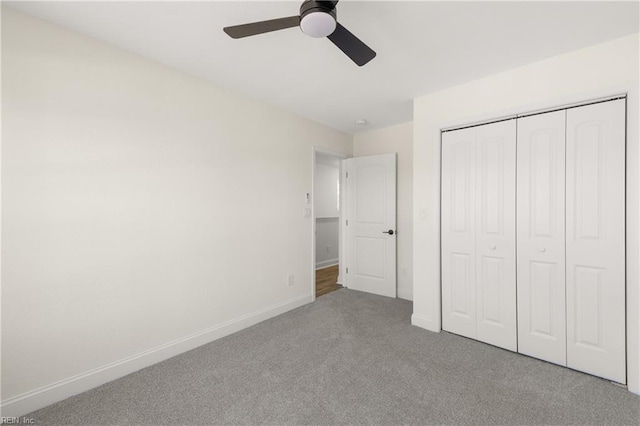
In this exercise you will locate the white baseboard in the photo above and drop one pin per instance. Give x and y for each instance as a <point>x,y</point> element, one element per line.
<point>326,263</point>
<point>47,395</point>
<point>425,323</point>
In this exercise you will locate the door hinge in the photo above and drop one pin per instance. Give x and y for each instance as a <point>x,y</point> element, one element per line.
<point>347,270</point>
<point>347,222</point>
<point>347,175</point>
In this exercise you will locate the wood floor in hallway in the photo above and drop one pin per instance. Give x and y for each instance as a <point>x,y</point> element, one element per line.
<point>326,280</point>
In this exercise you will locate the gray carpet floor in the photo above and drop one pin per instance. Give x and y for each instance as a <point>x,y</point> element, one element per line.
<point>348,358</point>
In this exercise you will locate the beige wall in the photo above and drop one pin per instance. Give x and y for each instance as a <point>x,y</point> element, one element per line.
<point>145,211</point>
<point>605,69</point>
<point>397,139</point>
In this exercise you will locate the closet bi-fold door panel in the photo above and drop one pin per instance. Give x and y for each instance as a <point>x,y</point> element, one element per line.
<point>596,239</point>
<point>495,234</point>
<point>541,237</point>
<point>478,233</point>
<point>458,232</point>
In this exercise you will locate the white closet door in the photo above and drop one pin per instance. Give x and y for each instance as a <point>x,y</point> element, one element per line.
<point>496,234</point>
<point>458,232</point>
<point>541,237</point>
<point>596,239</point>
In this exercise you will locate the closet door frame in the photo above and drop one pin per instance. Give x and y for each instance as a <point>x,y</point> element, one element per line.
<point>429,315</point>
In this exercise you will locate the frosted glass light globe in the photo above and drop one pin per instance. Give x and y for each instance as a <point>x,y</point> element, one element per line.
<point>318,24</point>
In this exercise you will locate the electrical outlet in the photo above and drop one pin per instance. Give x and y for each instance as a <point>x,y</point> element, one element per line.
<point>290,280</point>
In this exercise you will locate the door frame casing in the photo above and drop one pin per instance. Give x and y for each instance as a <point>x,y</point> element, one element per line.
<point>341,234</point>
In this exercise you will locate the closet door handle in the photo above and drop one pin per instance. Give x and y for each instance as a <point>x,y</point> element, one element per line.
<point>390,232</point>
<point>492,247</point>
<point>542,249</point>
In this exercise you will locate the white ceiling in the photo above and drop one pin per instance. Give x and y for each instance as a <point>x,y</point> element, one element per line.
<point>422,46</point>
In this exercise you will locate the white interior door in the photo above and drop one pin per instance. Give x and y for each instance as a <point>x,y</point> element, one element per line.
<point>496,234</point>
<point>541,237</point>
<point>458,232</point>
<point>371,224</point>
<point>596,239</point>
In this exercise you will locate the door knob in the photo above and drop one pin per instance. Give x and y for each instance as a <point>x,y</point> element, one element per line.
<point>542,250</point>
<point>390,232</point>
<point>492,247</point>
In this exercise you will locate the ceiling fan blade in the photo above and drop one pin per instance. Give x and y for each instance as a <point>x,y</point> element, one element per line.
<point>254,28</point>
<point>351,45</point>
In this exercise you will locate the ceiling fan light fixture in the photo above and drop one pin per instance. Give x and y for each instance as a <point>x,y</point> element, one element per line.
<point>318,24</point>
<point>317,19</point>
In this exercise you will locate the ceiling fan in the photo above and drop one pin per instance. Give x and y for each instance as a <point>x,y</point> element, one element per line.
<point>316,19</point>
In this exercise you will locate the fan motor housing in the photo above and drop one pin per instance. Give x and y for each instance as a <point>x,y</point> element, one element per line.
<point>310,6</point>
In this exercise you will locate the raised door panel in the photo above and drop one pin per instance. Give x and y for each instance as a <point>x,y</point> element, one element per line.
<point>596,239</point>
<point>495,234</point>
<point>541,237</point>
<point>458,232</point>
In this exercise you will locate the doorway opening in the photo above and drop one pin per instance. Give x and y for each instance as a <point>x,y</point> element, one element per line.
<point>327,213</point>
